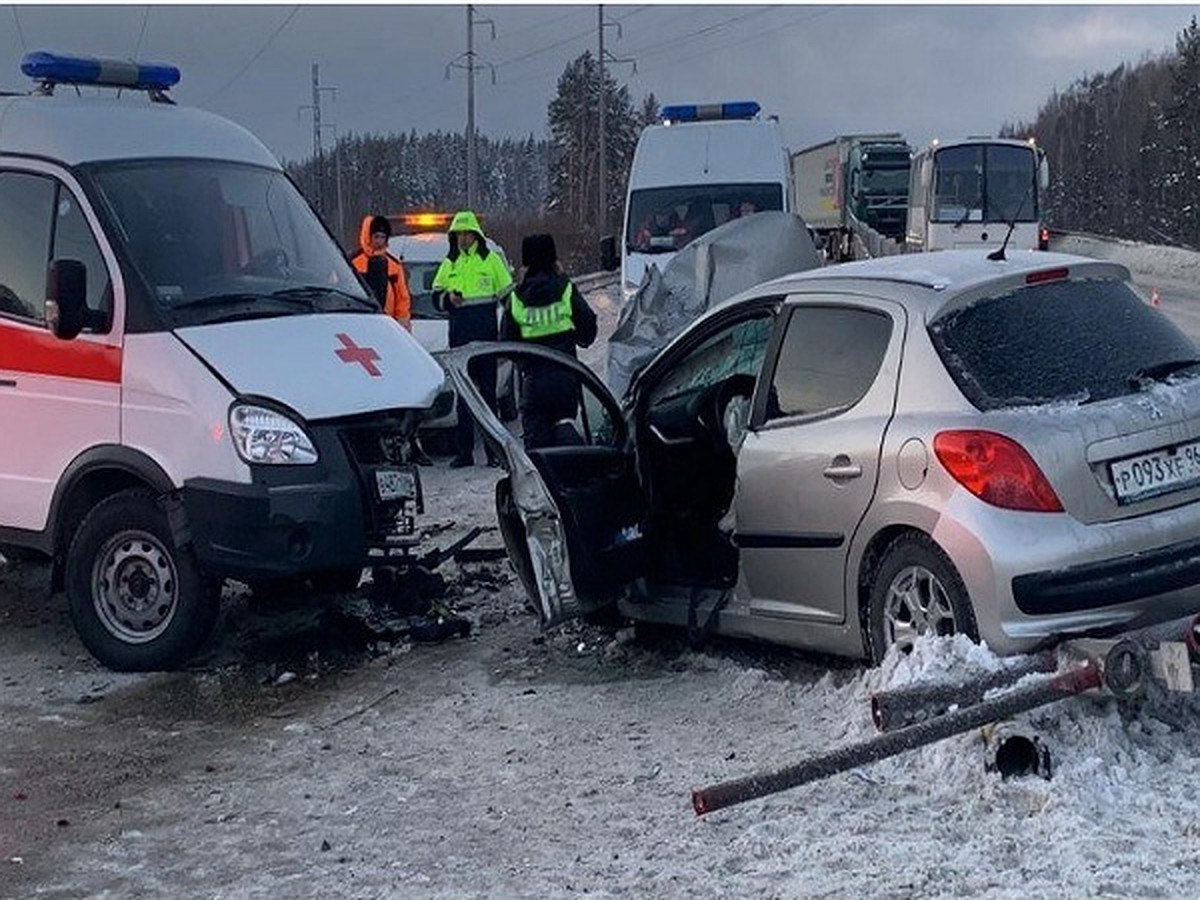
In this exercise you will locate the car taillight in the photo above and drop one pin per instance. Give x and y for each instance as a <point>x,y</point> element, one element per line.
<point>996,469</point>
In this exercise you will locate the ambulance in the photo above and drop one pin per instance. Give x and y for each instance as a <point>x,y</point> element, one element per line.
<point>194,384</point>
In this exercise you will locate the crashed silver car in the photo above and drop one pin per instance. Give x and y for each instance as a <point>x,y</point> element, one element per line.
<point>849,457</point>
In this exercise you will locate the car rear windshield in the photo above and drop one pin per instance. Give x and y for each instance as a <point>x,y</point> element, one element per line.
<point>1060,341</point>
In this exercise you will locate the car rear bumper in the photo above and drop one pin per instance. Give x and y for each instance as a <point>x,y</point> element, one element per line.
<point>1033,577</point>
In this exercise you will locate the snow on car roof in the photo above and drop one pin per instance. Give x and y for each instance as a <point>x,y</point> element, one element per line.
<point>949,272</point>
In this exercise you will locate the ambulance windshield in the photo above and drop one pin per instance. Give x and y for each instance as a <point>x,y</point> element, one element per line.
<point>206,234</point>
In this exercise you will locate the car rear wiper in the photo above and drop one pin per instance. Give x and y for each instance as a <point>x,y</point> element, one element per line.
<point>1162,370</point>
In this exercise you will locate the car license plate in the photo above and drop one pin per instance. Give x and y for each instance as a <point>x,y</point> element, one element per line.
<point>1160,472</point>
<point>395,484</point>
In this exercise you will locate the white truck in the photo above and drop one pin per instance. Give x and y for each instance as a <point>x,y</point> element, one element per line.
<point>699,167</point>
<point>194,384</point>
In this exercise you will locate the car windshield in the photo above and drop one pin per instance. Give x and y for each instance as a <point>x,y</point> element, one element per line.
<point>1060,341</point>
<point>985,183</point>
<point>205,235</point>
<point>663,220</point>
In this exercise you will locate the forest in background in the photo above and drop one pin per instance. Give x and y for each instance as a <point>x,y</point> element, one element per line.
<point>1123,147</point>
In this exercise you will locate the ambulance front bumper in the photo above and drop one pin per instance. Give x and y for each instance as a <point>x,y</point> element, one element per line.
<point>353,509</point>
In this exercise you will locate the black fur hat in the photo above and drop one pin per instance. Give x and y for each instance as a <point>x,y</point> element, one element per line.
<point>538,253</point>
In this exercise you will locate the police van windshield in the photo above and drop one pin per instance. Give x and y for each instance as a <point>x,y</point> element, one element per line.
<point>663,220</point>
<point>206,236</point>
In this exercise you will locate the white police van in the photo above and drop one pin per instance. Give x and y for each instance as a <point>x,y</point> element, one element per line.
<point>194,384</point>
<point>701,166</point>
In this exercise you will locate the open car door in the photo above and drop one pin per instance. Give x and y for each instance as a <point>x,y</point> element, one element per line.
<point>570,510</point>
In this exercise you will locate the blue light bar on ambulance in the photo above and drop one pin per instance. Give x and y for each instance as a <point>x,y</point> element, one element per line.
<point>695,112</point>
<point>52,68</point>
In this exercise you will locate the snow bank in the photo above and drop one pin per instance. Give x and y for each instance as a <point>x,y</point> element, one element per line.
<point>1154,260</point>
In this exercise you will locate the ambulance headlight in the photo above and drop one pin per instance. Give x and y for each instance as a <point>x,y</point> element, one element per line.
<point>264,437</point>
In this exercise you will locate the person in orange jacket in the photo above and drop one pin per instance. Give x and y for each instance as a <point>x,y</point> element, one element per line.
<point>382,271</point>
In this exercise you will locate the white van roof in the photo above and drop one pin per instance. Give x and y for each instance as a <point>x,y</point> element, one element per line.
<point>709,152</point>
<point>73,130</point>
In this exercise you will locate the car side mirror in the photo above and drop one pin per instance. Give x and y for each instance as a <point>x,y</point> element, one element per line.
<point>609,261</point>
<point>1043,173</point>
<point>66,300</point>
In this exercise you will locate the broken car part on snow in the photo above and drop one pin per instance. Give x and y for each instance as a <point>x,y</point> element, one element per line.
<point>1119,667</point>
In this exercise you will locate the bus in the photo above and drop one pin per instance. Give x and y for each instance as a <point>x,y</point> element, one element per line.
<point>967,193</point>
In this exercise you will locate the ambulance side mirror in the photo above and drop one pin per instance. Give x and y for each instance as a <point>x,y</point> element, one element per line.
<point>66,302</point>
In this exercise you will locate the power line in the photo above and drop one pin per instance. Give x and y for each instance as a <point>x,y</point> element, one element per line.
<point>700,32</point>
<point>261,50</point>
<point>20,31</point>
<point>141,34</point>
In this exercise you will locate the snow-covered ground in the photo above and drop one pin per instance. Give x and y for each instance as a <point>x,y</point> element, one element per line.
<point>304,757</point>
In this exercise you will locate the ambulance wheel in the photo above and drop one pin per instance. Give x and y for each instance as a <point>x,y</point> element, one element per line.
<point>137,600</point>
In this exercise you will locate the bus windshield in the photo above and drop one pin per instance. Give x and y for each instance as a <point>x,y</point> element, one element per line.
<point>985,183</point>
<point>663,220</point>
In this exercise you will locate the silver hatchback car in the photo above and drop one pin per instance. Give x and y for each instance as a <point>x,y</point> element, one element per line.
<point>849,457</point>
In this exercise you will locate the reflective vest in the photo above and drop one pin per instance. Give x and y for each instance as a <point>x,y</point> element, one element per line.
<point>477,278</point>
<point>543,321</point>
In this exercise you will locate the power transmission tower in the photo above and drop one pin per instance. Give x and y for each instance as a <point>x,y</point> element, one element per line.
<point>469,62</point>
<point>318,197</point>
<point>604,56</point>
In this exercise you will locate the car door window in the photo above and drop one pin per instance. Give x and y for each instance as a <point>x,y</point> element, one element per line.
<point>26,219</point>
<point>73,239</point>
<point>735,350</point>
<point>828,359</point>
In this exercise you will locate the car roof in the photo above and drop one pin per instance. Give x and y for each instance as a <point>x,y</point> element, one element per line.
<point>73,130</point>
<point>946,279</point>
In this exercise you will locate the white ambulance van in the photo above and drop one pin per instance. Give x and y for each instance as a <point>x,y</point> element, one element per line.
<point>194,384</point>
<point>702,165</point>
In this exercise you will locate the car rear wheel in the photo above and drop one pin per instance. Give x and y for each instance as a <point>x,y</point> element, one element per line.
<point>139,602</point>
<point>916,591</point>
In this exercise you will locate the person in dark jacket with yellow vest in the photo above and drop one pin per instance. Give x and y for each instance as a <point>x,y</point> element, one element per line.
<point>547,309</point>
<point>382,271</point>
<point>468,284</point>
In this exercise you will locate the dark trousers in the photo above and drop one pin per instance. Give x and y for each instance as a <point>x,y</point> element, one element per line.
<point>474,323</point>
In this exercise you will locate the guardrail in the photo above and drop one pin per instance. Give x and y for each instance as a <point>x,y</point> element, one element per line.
<point>594,280</point>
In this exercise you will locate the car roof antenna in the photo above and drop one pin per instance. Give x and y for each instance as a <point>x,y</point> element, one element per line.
<point>998,254</point>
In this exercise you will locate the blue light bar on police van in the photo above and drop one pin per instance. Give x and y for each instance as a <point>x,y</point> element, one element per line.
<point>53,68</point>
<point>695,112</point>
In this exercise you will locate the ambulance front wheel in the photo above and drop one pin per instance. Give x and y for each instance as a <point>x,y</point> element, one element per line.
<point>138,601</point>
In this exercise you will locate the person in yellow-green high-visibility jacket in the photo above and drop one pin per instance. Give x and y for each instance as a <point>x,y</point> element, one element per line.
<point>468,284</point>
<point>547,309</point>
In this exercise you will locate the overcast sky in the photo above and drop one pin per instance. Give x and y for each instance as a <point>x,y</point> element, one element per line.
<point>926,71</point>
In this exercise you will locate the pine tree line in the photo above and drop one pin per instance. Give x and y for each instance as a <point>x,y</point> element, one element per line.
<point>529,183</point>
<point>1124,149</point>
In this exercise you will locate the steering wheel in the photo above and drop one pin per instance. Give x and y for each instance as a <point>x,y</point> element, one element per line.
<point>272,263</point>
<point>729,411</point>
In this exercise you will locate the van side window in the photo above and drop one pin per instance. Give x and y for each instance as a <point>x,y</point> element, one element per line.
<point>73,239</point>
<point>26,220</point>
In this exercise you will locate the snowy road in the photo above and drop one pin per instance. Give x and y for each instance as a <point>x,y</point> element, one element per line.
<point>304,755</point>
